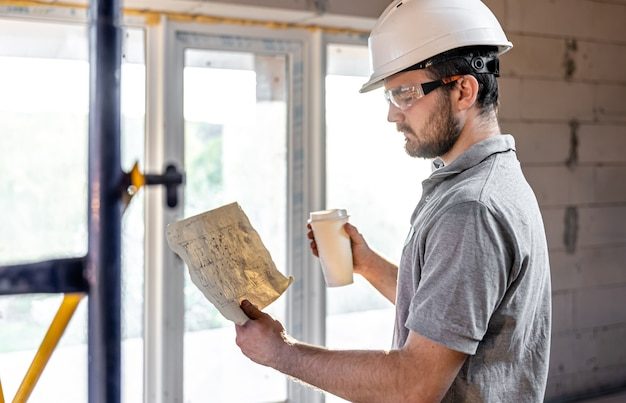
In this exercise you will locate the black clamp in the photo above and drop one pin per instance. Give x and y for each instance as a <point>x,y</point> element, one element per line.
<point>171,179</point>
<point>484,64</point>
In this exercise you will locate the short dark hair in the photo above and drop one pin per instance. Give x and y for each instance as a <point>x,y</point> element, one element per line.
<point>461,61</point>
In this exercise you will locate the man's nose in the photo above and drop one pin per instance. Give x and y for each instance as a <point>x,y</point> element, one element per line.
<point>394,114</point>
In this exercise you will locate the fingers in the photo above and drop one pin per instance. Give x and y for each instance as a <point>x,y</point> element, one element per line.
<point>250,310</point>
<point>310,233</point>
<point>314,249</point>
<point>311,236</point>
<point>350,229</point>
<point>353,233</point>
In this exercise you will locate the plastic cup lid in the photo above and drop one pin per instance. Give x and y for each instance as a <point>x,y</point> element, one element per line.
<point>332,214</point>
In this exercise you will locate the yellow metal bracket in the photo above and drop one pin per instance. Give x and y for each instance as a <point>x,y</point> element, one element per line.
<point>131,183</point>
<point>137,179</point>
<point>50,341</point>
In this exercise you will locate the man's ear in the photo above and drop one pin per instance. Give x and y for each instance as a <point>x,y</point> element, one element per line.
<point>467,92</point>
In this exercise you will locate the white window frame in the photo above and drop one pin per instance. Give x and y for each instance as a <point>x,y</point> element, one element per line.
<point>164,272</point>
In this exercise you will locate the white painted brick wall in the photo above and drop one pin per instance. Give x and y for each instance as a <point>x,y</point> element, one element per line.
<point>597,307</point>
<point>601,378</point>
<point>547,100</point>
<point>539,142</point>
<point>602,143</point>
<point>560,17</point>
<point>544,57</point>
<point>534,56</point>
<point>603,62</point>
<point>582,19</point>
<point>562,186</point>
<point>610,103</point>
<point>603,225</point>
<point>563,97</point>
<point>552,100</point>
<point>593,350</point>
<point>588,267</point>
<point>562,312</point>
<point>597,226</point>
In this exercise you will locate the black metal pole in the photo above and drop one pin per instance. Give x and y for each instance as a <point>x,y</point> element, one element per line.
<point>104,255</point>
<point>50,276</point>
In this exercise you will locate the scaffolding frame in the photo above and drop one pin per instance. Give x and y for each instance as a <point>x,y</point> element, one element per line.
<point>98,273</point>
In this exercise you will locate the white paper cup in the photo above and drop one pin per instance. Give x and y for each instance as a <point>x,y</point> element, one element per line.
<point>333,246</point>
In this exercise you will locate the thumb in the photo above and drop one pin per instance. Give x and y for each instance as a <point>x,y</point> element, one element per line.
<point>250,310</point>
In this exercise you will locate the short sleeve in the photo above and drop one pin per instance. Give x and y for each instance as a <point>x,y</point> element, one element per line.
<point>464,277</point>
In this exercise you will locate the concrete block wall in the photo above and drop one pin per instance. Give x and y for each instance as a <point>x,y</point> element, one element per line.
<point>563,96</point>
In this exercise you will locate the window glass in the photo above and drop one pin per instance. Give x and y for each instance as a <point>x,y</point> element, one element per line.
<point>44,104</point>
<point>369,174</point>
<point>235,150</point>
<point>133,95</point>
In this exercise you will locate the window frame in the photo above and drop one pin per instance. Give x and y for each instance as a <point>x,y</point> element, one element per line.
<point>164,291</point>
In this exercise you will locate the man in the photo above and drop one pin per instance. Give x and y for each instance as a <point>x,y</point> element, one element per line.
<point>472,290</point>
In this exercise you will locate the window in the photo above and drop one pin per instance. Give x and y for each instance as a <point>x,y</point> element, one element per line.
<point>44,102</point>
<point>235,109</point>
<point>369,174</point>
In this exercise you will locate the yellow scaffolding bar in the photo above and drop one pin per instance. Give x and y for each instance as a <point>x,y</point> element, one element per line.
<point>50,341</point>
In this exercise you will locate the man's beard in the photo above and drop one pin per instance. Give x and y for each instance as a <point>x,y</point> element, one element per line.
<point>438,135</point>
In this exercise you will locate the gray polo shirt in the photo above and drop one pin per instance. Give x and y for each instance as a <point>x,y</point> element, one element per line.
<point>474,275</point>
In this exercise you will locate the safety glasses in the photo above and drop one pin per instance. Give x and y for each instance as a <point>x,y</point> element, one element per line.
<point>405,96</point>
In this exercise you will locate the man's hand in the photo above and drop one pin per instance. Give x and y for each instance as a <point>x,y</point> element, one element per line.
<point>261,338</point>
<point>362,256</point>
<point>378,271</point>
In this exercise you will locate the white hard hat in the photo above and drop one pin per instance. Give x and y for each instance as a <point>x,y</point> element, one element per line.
<point>411,31</point>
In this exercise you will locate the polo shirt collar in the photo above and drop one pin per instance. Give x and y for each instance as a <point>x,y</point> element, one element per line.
<point>437,163</point>
<point>475,155</point>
